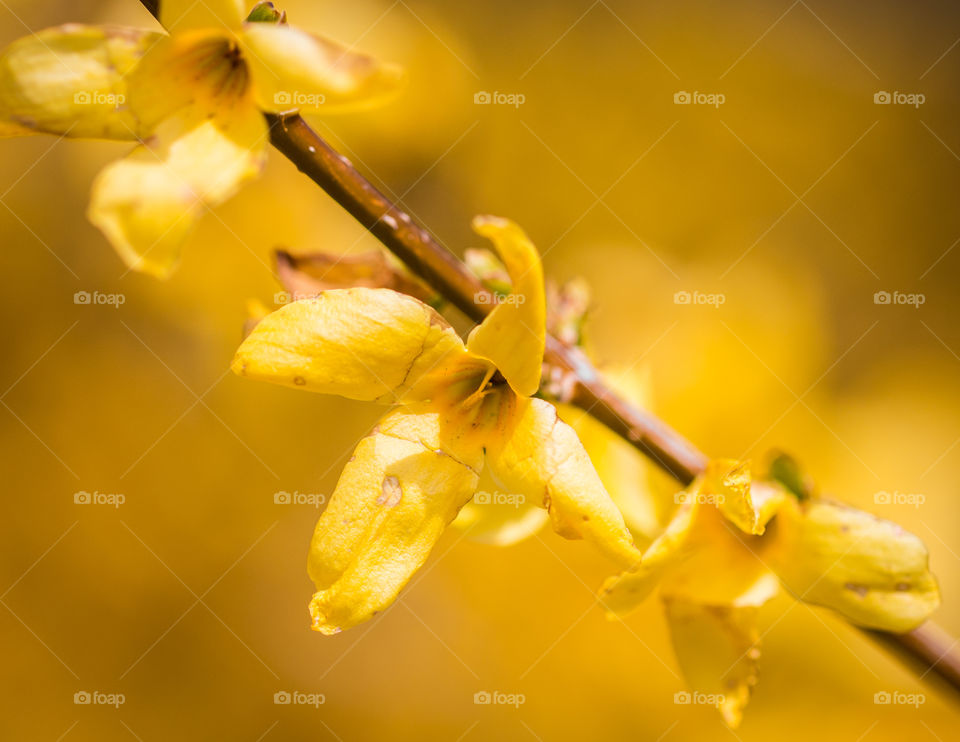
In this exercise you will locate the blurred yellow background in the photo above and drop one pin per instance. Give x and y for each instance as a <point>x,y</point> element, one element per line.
<point>796,199</point>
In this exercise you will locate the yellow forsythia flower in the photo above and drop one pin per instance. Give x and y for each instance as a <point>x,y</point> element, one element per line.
<point>192,98</point>
<point>730,546</point>
<point>460,407</point>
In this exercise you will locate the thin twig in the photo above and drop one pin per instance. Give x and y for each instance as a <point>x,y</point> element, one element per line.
<point>926,649</point>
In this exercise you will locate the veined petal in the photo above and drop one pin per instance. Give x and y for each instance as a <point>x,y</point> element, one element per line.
<point>71,80</point>
<point>394,499</point>
<point>532,452</point>
<point>199,73</point>
<point>360,343</point>
<point>180,15</point>
<point>869,569</point>
<point>293,69</point>
<point>718,650</point>
<point>148,203</point>
<point>512,336</point>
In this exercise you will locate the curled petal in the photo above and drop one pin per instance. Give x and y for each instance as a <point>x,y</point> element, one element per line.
<point>718,650</point>
<point>295,70</point>
<point>366,344</point>
<point>394,499</point>
<point>180,15</point>
<point>512,336</point>
<point>534,453</point>
<point>148,203</point>
<point>870,570</point>
<point>701,557</point>
<point>71,80</point>
<point>749,506</point>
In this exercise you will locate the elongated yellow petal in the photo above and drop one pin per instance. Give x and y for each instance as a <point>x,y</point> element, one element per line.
<point>148,203</point>
<point>534,453</point>
<point>624,592</point>
<point>701,557</point>
<point>868,569</point>
<point>71,80</point>
<point>181,15</point>
<point>394,499</point>
<point>367,344</point>
<point>512,336</point>
<point>295,70</point>
<point>718,650</point>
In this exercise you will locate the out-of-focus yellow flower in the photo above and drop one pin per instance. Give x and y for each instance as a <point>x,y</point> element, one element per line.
<point>730,546</point>
<point>460,407</point>
<point>192,98</point>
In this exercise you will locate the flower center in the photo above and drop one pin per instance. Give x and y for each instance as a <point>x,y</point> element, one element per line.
<point>491,381</point>
<point>217,67</point>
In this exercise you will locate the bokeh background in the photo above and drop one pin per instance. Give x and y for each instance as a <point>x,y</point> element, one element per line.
<point>796,200</point>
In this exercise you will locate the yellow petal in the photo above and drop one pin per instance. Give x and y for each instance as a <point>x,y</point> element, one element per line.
<point>534,453</point>
<point>727,482</point>
<point>623,593</point>
<point>868,569</point>
<point>394,499</point>
<point>197,72</point>
<point>293,70</point>
<point>71,80</point>
<point>181,15</point>
<point>512,336</point>
<point>718,650</point>
<point>645,502</point>
<point>499,518</point>
<point>700,557</point>
<point>722,566</point>
<point>367,344</point>
<point>148,203</point>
